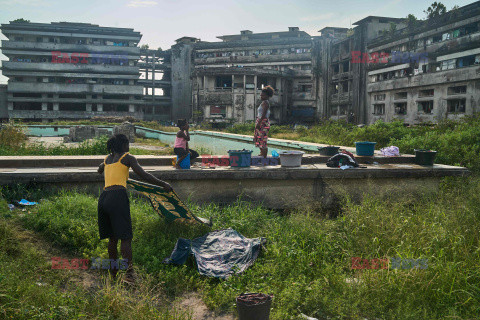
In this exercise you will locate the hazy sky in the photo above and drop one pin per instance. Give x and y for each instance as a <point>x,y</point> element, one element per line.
<point>162,21</point>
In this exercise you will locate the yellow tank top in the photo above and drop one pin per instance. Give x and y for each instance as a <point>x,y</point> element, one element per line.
<point>116,174</point>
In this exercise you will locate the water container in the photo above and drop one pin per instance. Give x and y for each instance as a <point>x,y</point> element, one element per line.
<point>328,150</point>
<point>240,158</point>
<point>365,148</point>
<point>425,157</point>
<point>185,164</point>
<point>254,306</point>
<point>291,158</point>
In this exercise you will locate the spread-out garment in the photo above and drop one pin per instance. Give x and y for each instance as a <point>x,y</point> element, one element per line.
<point>219,253</point>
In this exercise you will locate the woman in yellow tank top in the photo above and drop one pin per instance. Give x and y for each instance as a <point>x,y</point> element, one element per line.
<point>114,221</point>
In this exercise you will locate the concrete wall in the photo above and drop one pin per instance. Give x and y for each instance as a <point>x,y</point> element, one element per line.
<point>440,82</point>
<point>182,68</point>
<point>3,102</point>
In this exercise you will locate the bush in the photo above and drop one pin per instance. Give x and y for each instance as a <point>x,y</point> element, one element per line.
<point>11,135</point>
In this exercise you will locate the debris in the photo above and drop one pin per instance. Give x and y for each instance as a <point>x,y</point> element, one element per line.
<point>24,202</point>
<point>304,316</point>
<point>11,207</point>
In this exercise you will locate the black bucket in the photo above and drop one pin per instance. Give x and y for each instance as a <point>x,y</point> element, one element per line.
<point>425,157</point>
<point>328,151</point>
<point>254,306</point>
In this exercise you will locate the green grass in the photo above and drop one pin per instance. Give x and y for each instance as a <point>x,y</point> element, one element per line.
<point>306,262</point>
<point>456,142</point>
<point>30,289</point>
<point>97,146</point>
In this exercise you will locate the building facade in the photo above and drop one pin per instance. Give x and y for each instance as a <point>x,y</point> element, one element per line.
<point>382,69</point>
<point>433,70</point>
<point>228,76</point>
<point>71,71</point>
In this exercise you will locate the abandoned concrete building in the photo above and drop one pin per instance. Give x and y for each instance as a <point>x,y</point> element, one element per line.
<point>383,68</point>
<point>229,75</point>
<point>433,72</point>
<point>155,77</point>
<point>71,70</point>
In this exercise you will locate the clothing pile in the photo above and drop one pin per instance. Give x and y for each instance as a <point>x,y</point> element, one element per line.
<point>218,254</point>
<point>343,160</point>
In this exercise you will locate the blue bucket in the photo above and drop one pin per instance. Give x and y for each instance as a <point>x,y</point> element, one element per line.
<point>240,158</point>
<point>365,148</point>
<point>185,164</point>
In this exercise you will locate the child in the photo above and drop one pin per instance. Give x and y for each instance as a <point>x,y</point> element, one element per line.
<point>114,221</point>
<point>181,143</point>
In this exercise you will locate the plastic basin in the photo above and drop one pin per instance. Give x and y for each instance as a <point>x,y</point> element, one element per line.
<point>425,157</point>
<point>291,158</point>
<point>254,306</point>
<point>185,164</point>
<point>240,158</point>
<point>328,151</point>
<point>365,148</point>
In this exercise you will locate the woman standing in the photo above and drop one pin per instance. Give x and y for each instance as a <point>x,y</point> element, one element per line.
<point>114,221</point>
<point>262,125</point>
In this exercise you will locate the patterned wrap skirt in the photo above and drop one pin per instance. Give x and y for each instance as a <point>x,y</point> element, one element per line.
<point>261,135</point>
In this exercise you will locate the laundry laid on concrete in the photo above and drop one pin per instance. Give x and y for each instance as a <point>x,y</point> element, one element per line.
<point>219,253</point>
<point>391,151</point>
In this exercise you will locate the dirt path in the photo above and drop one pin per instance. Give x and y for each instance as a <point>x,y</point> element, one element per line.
<point>192,302</point>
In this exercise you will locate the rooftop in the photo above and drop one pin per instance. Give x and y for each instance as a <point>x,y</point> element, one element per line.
<point>293,32</point>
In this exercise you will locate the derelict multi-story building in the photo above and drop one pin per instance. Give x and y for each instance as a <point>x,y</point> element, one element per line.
<point>71,71</point>
<point>229,75</point>
<point>433,70</point>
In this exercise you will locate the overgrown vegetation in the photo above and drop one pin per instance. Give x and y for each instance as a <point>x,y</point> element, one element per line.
<point>307,261</point>
<point>13,142</point>
<point>457,142</point>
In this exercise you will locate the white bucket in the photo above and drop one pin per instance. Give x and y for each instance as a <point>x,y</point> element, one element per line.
<point>291,158</point>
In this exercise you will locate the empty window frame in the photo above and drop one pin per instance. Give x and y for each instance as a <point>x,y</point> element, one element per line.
<point>457,90</point>
<point>218,111</point>
<point>400,108</point>
<point>456,105</point>
<point>400,95</point>
<point>379,109</point>
<point>379,97</point>
<point>425,106</point>
<point>426,93</point>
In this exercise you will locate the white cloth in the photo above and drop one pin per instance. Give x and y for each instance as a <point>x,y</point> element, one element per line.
<point>391,151</point>
<point>260,110</point>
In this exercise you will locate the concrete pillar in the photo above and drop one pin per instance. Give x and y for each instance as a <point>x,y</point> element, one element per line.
<point>55,106</point>
<point>255,97</point>
<point>131,108</point>
<point>88,107</point>
<point>44,106</point>
<point>10,105</point>
<point>100,107</point>
<point>244,98</point>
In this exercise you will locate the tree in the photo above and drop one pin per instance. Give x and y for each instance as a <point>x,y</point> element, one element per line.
<point>411,21</point>
<point>435,9</point>
<point>21,20</point>
<point>393,28</point>
<point>144,46</point>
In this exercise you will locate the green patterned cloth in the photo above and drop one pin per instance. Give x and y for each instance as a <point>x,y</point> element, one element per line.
<point>166,204</point>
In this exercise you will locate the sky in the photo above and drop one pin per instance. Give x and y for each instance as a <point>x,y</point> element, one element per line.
<point>161,22</point>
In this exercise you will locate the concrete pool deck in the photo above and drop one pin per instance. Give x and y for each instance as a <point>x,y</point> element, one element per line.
<point>273,186</point>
